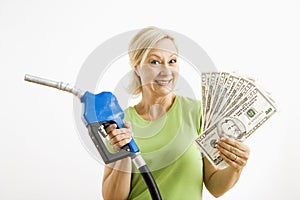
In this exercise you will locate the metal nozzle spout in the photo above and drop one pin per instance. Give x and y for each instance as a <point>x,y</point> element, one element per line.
<point>55,84</point>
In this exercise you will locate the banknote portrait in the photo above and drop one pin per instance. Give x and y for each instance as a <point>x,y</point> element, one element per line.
<point>231,127</point>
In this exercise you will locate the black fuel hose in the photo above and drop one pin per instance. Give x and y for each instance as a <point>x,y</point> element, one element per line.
<point>147,176</point>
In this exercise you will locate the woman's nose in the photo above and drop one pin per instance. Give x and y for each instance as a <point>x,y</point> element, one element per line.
<point>166,69</point>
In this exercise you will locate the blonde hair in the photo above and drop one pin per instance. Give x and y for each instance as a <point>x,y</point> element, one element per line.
<point>138,50</point>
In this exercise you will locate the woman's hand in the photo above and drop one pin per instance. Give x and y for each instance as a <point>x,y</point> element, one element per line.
<point>119,137</point>
<point>235,153</point>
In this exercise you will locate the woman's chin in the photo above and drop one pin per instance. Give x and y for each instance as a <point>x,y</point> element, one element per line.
<point>163,90</point>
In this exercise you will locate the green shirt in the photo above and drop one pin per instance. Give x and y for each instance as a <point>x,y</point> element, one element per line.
<point>167,145</point>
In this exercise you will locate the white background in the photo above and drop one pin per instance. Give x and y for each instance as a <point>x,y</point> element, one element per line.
<point>41,154</point>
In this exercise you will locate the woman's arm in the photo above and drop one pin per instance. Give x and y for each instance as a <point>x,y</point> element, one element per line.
<point>219,181</point>
<point>116,180</point>
<point>117,175</point>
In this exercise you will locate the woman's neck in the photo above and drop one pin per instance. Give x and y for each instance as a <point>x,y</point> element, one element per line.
<point>151,108</point>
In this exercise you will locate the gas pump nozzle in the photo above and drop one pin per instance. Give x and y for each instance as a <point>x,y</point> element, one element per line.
<point>101,110</point>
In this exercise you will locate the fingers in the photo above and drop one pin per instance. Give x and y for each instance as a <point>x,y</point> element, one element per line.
<point>235,153</point>
<point>110,128</point>
<point>119,137</point>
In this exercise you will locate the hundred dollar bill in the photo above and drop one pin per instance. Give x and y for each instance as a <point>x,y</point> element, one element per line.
<point>219,84</point>
<point>228,91</point>
<point>204,88</point>
<point>223,95</point>
<point>224,99</point>
<point>248,114</point>
<point>211,86</point>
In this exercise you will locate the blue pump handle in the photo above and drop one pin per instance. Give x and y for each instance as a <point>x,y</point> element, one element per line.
<point>104,107</point>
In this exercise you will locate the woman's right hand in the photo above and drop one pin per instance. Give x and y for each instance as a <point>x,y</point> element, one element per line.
<point>119,137</point>
<point>117,174</point>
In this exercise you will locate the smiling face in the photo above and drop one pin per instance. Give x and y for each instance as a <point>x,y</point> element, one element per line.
<point>159,72</point>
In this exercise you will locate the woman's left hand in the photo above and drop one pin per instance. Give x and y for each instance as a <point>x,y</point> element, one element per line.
<point>235,153</point>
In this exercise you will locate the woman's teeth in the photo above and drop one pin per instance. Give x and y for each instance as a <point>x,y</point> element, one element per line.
<point>162,82</point>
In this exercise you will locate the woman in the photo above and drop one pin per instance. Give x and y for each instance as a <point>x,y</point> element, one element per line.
<point>167,124</point>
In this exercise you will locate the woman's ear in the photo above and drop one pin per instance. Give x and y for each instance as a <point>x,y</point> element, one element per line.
<point>136,71</point>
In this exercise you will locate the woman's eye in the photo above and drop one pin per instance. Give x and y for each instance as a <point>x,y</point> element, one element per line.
<point>172,61</point>
<point>154,62</point>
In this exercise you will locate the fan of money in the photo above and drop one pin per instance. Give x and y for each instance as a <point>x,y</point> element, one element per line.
<point>233,106</point>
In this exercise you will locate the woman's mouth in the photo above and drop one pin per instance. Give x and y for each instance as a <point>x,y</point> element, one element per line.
<point>163,82</point>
